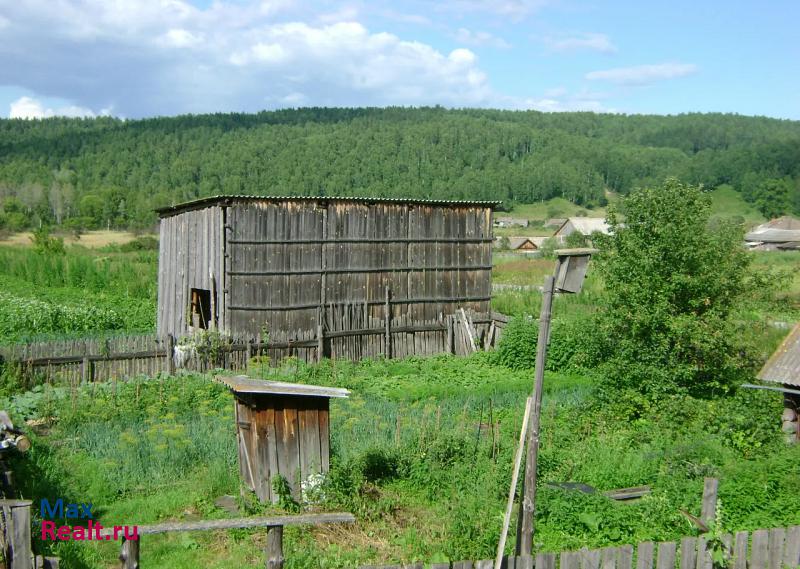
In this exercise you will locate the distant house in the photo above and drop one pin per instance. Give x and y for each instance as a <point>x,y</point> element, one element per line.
<point>510,222</point>
<point>522,244</point>
<point>555,222</point>
<point>586,226</point>
<point>781,234</point>
<point>783,368</point>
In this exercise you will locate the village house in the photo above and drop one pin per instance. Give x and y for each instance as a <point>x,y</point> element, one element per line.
<point>510,222</point>
<point>781,234</point>
<point>586,226</point>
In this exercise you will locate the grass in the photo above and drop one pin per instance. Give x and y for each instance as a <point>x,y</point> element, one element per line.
<point>422,455</point>
<point>727,202</point>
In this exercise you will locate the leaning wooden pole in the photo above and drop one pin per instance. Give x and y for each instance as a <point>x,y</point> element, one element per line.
<point>528,507</point>
<point>513,488</point>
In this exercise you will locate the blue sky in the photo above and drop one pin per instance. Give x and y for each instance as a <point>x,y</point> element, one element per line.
<point>165,57</point>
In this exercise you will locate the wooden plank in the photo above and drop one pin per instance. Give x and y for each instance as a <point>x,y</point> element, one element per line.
<point>666,555</point>
<point>274,548</point>
<point>608,557</point>
<point>776,540</point>
<point>703,559</point>
<point>791,552</point>
<point>688,552</point>
<point>569,560</point>
<point>644,555</point>
<point>545,561</point>
<point>740,550</point>
<point>709,509</point>
<point>625,559</point>
<point>457,565</point>
<point>17,514</point>
<point>590,558</point>
<point>129,554</point>
<point>759,557</point>
<point>525,562</point>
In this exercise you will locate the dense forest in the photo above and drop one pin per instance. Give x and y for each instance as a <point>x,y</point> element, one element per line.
<point>107,172</point>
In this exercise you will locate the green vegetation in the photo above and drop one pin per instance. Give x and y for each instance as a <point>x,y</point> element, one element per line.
<point>104,172</point>
<point>47,291</point>
<point>422,455</point>
<point>422,451</point>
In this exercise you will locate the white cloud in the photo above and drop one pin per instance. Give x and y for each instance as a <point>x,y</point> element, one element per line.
<point>591,41</point>
<point>167,57</point>
<point>479,38</point>
<point>643,74</point>
<point>29,108</point>
<point>178,37</point>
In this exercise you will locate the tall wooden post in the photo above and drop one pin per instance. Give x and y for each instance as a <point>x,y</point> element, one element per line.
<point>170,354</point>
<point>18,533</point>
<point>528,509</point>
<point>129,556</point>
<point>387,315</point>
<point>275,547</point>
<point>708,511</point>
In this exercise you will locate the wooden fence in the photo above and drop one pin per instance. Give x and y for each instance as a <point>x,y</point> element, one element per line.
<point>777,548</point>
<point>346,333</point>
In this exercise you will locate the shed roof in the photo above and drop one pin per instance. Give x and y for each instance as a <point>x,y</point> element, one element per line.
<point>244,384</point>
<point>768,235</point>
<point>587,225</point>
<point>784,365</point>
<point>228,200</point>
<point>517,242</point>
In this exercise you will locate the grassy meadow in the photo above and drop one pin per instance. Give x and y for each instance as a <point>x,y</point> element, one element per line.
<point>421,452</point>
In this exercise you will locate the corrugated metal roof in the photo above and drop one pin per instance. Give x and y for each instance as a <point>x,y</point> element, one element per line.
<point>211,200</point>
<point>244,384</point>
<point>587,225</point>
<point>784,365</point>
<point>769,235</point>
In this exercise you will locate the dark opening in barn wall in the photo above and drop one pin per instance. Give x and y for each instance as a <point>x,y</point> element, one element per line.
<point>200,309</point>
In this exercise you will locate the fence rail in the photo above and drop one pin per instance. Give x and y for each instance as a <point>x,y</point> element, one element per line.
<point>347,332</point>
<point>777,548</point>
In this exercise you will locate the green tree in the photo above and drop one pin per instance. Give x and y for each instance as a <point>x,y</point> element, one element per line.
<point>672,282</point>
<point>773,197</point>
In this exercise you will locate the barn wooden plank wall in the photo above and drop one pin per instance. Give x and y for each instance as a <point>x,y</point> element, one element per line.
<point>293,265</point>
<point>353,336</point>
<point>777,548</point>
<point>191,249</point>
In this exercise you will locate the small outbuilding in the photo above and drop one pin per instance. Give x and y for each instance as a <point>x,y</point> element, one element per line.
<point>281,429</point>
<point>586,226</point>
<point>511,222</point>
<point>783,368</point>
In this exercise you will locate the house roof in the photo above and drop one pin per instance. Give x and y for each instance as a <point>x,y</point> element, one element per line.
<point>517,242</point>
<point>244,384</point>
<point>228,200</point>
<point>555,222</point>
<point>587,225</point>
<point>779,230</point>
<point>784,365</point>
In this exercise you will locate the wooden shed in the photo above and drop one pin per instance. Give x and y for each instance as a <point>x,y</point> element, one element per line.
<point>338,277</point>
<point>281,428</point>
<point>783,368</point>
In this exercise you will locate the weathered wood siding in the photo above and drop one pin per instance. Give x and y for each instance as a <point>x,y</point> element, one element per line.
<point>191,255</point>
<point>294,265</point>
<point>284,435</point>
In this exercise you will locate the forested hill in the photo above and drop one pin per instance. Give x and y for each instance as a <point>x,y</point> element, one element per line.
<point>110,172</point>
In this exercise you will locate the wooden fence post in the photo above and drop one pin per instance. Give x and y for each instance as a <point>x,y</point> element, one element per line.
<point>18,533</point>
<point>275,547</point>
<point>387,315</point>
<point>129,555</point>
<point>87,373</point>
<point>170,354</point>
<point>709,510</point>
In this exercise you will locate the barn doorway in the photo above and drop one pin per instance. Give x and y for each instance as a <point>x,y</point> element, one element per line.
<point>200,308</point>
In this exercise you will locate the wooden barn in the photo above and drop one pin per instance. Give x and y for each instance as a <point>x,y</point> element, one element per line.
<point>338,277</point>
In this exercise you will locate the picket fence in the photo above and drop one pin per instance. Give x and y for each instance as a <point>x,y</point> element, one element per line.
<point>345,335</point>
<point>777,548</point>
